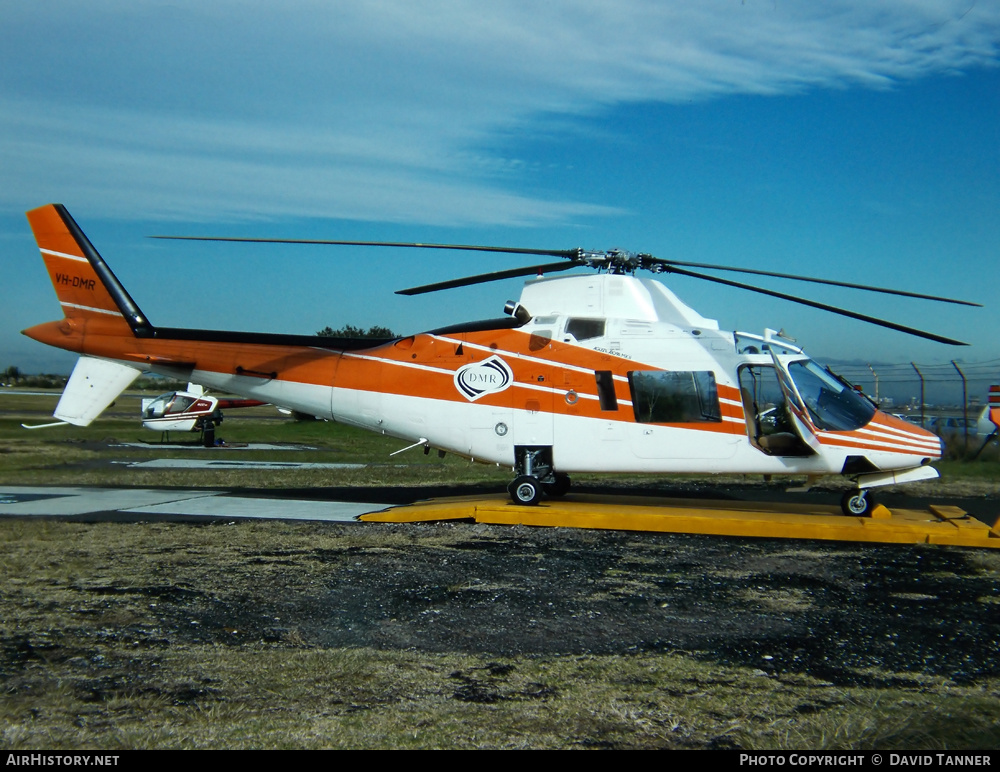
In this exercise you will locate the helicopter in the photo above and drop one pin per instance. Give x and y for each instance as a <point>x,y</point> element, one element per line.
<point>587,373</point>
<point>191,410</point>
<point>988,423</point>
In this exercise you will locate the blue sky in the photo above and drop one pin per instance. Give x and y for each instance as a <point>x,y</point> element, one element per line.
<point>850,140</point>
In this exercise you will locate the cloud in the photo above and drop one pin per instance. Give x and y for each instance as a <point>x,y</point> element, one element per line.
<point>395,110</point>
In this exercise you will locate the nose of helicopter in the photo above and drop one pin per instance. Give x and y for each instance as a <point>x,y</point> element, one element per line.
<point>899,436</point>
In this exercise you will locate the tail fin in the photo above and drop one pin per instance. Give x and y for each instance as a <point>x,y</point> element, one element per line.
<point>86,287</point>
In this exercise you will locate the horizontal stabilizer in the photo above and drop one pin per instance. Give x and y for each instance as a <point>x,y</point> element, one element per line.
<point>94,384</point>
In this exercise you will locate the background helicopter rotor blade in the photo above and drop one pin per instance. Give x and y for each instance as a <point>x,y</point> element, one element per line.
<point>814,280</point>
<point>486,277</point>
<point>821,306</point>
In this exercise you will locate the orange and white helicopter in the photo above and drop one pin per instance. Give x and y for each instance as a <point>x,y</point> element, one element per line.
<point>601,372</point>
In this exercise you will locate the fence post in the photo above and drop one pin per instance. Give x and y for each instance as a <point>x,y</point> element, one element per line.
<point>921,377</point>
<point>965,407</point>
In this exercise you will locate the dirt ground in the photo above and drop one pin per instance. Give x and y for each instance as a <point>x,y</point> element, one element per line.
<point>831,611</point>
<point>826,609</point>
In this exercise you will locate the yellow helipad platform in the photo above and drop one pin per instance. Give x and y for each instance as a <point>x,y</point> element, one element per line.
<point>938,525</point>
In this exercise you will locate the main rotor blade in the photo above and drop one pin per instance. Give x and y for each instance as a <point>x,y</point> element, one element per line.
<point>486,277</point>
<point>567,253</point>
<point>577,255</point>
<point>821,306</point>
<point>814,280</point>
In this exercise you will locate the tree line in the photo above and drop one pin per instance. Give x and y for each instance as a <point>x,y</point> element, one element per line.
<point>350,331</point>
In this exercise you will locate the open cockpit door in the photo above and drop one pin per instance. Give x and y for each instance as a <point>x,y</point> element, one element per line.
<point>770,422</point>
<point>794,406</point>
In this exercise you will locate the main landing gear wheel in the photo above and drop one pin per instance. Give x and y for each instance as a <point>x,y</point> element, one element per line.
<point>525,491</point>
<point>857,503</point>
<point>558,488</point>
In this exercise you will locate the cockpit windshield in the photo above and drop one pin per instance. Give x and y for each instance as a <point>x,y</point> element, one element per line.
<point>168,404</point>
<point>832,404</point>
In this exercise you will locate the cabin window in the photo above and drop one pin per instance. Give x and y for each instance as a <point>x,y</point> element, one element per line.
<point>671,397</point>
<point>585,329</point>
<point>606,389</point>
<point>539,339</point>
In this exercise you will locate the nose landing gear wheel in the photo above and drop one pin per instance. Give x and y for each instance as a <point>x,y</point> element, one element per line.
<point>525,491</point>
<point>857,503</point>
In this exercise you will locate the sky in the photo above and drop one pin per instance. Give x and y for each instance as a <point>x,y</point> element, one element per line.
<point>848,140</point>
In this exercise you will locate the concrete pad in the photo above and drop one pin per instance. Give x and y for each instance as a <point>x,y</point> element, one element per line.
<point>81,501</point>
<point>23,501</point>
<point>190,446</point>
<point>266,509</point>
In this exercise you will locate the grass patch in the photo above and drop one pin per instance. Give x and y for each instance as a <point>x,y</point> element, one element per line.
<point>371,699</point>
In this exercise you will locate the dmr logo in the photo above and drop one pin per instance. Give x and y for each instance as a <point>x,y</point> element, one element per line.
<point>486,377</point>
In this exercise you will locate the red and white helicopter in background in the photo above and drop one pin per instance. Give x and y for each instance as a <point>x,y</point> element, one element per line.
<point>193,410</point>
<point>602,372</point>
<point>988,424</point>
